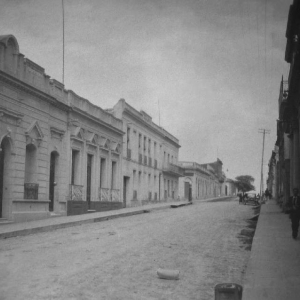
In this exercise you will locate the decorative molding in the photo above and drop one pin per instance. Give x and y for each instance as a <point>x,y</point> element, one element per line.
<point>34,134</point>
<point>73,122</point>
<point>56,132</point>
<point>10,140</point>
<point>8,113</point>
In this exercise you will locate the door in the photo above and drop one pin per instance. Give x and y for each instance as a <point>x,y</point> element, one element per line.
<point>52,180</point>
<point>125,189</point>
<point>89,180</point>
<point>2,154</point>
<point>5,151</point>
<point>186,190</point>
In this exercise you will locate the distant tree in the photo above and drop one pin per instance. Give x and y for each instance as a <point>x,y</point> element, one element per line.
<point>244,183</point>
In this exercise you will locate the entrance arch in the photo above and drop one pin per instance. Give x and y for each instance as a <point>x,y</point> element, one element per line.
<point>5,159</point>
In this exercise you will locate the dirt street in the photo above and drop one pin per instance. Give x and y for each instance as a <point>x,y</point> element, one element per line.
<point>118,259</point>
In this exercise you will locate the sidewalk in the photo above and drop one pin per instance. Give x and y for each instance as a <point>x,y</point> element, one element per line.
<point>273,270</point>
<point>25,228</point>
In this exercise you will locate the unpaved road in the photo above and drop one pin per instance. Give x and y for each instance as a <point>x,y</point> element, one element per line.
<point>118,259</point>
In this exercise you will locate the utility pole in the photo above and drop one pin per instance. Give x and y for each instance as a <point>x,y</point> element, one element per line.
<point>63,36</point>
<point>264,132</point>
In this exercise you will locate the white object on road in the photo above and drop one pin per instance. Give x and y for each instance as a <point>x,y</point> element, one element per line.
<point>168,274</point>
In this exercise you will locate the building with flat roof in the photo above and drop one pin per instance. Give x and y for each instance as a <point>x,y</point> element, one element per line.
<point>60,154</point>
<point>150,158</point>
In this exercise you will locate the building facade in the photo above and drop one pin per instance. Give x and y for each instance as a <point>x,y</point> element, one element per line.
<point>150,158</point>
<point>59,153</point>
<point>201,181</point>
<point>287,165</point>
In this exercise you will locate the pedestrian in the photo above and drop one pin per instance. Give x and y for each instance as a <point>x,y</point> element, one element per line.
<point>240,198</point>
<point>294,204</point>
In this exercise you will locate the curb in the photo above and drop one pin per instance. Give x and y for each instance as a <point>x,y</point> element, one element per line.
<point>46,228</point>
<point>28,231</point>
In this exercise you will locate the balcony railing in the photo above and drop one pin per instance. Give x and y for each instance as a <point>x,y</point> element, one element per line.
<point>115,195</point>
<point>31,191</point>
<point>108,195</point>
<point>129,153</point>
<point>104,194</point>
<point>76,192</point>
<point>173,170</point>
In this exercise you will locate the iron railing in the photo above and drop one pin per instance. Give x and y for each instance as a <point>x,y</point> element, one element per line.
<point>76,192</point>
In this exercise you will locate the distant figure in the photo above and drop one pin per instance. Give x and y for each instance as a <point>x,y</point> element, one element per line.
<point>240,198</point>
<point>294,203</point>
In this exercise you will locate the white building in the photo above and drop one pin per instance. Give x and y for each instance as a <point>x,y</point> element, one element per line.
<point>202,181</point>
<point>150,157</point>
<point>60,154</point>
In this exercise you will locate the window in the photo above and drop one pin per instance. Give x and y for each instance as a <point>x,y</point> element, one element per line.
<point>145,144</point>
<point>140,142</point>
<point>102,172</point>
<point>75,167</point>
<point>149,147</point>
<point>128,137</point>
<point>30,164</point>
<point>113,174</point>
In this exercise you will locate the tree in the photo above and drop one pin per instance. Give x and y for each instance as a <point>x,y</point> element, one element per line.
<point>244,183</point>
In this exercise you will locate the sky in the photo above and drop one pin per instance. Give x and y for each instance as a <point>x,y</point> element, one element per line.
<point>208,71</point>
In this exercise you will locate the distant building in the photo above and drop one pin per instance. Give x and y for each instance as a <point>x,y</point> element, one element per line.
<point>229,188</point>
<point>150,158</point>
<point>60,154</point>
<point>201,180</point>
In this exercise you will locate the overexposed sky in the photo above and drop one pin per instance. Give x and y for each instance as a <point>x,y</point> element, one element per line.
<point>211,67</point>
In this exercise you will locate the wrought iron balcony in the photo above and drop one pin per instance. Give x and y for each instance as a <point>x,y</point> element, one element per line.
<point>173,170</point>
<point>31,191</point>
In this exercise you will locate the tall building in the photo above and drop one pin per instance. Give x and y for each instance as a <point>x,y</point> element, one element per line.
<point>60,154</point>
<point>150,158</point>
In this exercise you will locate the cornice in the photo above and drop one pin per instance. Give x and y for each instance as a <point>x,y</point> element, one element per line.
<point>149,126</point>
<point>104,124</point>
<point>21,85</point>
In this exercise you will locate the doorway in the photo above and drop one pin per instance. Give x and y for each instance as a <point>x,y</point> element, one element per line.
<point>4,167</point>
<point>89,180</point>
<point>125,189</point>
<point>52,178</point>
<point>186,190</point>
